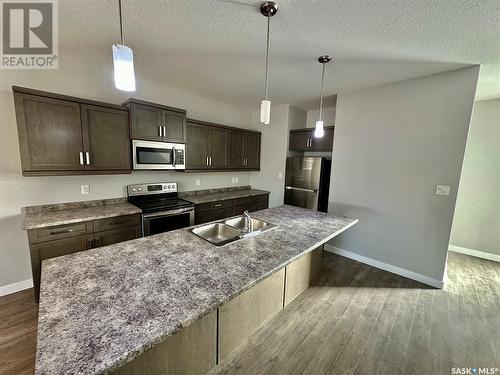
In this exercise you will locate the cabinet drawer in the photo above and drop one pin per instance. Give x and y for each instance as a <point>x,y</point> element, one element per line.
<point>116,222</point>
<point>260,198</point>
<point>59,232</point>
<point>63,247</point>
<point>215,205</point>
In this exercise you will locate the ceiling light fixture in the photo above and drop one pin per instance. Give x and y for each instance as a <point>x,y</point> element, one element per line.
<point>268,9</point>
<point>123,61</point>
<point>319,131</point>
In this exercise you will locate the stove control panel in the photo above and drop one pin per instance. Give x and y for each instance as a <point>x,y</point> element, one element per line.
<point>155,188</point>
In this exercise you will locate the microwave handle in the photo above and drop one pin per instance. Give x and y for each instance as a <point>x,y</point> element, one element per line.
<point>173,156</point>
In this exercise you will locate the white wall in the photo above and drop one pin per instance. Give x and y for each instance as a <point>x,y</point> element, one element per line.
<point>274,148</point>
<point>476,224</point>
<point>393,145</point>
<point>89,76</point>
<point>328,116</point>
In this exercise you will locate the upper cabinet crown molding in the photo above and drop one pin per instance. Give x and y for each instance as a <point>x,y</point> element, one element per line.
<point>68,98</point>
<point>61,135</point>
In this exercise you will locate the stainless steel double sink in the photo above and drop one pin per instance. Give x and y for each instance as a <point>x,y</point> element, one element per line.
<point>224,232</point>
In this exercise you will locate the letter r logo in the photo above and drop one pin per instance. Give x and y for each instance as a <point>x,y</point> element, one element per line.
<point>27,28</point>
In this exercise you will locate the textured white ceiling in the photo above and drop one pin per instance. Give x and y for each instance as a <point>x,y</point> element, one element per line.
<point>217,47</point>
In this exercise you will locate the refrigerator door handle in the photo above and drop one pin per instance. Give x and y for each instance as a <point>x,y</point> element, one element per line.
<point>301,189</point>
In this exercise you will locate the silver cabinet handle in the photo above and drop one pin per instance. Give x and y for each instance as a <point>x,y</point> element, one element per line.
<point>207,160</point>
<point>159,131</point>
<point>164,131</point>
<point>87,157</point>
<point>210,160</point>
<point>81,157</point>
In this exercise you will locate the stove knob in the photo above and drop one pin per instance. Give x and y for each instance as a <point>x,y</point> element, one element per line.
<point>134,189</point>
<point>139,189</point>
<point>171,187</point>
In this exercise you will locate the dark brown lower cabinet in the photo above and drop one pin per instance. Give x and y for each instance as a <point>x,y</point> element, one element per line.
<point>52,242</point>
<point>206,212</point>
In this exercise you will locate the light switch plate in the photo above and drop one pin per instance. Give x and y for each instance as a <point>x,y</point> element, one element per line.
<point>235,180</point>
<point>198,182</point>
<point>85,189</point>
<point>280,176</point>
<point>442,190</point>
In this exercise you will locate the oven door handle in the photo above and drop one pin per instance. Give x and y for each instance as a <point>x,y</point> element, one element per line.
<point>167,213</point>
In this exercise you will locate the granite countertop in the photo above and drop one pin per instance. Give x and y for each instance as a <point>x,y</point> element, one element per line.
<point>221,195</point>
<point>101,308</point>
<point>75,212</point>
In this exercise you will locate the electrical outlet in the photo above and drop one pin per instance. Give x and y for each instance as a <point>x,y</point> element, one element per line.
<point>85,189</point>
<point>443,190</point>
<point>198,182</point>
<point>235,180</point>
<point>280,176</point>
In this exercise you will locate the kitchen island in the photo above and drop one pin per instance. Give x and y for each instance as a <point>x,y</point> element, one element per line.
<point>101,308</point>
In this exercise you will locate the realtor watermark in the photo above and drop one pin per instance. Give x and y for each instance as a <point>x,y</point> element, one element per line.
<point>29,34</point>
<point>474,370</point>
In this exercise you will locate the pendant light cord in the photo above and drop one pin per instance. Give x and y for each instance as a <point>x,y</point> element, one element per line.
<point>321,92</point>
<point>267,54</point>
<point>121,22</point>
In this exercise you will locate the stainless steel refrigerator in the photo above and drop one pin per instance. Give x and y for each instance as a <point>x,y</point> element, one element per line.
<point>307,182</point>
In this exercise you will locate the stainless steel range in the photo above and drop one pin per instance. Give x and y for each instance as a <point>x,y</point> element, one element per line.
<point>162,209</point>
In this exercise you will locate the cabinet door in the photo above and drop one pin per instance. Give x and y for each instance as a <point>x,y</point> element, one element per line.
<point>145,122</point>
<point>226,212</point>
<point>205,216</point>
<point>244,314</point>
<point>50,133</point>
<point>196,146</point>
<point>54,249</point>
<point>106,138</point>
<point>252,151</point>
<point>175,126</point>
<point>217,147</point>
<point>110,237</point>
<point>235,153</point>
<point>299,141</point>
<point>324,143</point>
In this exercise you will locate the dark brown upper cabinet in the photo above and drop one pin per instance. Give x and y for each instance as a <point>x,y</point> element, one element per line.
<point>219,147</point>
<point>61,135</point>
<point>304,140</point>
<point>105,138</point>
<point>156,122</point>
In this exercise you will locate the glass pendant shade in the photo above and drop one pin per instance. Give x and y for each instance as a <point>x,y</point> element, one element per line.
<point>265,112</point>
<point>123,61</point>
<point>319,131</point>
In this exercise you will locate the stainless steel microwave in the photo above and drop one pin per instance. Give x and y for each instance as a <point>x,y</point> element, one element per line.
<point>158,155</point>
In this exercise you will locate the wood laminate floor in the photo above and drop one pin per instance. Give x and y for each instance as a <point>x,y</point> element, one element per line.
<point>356,320</point>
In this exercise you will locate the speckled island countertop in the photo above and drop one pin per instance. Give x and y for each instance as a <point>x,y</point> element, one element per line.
<point>101,308</point>
<point>213,195</point>
<point>76,212</point>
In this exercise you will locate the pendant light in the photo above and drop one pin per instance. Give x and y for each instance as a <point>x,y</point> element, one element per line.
<point>319,132</point>
<point>268,9</point>
<point>123,61</point>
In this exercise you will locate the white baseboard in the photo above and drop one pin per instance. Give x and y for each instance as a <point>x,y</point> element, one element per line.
<point>16,287</point>
<point>386,267</point>
<point>474,253</point>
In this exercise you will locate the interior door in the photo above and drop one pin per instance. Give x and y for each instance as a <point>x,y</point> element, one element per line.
<point>217,147</point>
<point>146,122</point>
<point>106,138</point>
<point>196,146</point>
<point>175,127</point>
<point>50,133</point>
<point>252,150</point>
